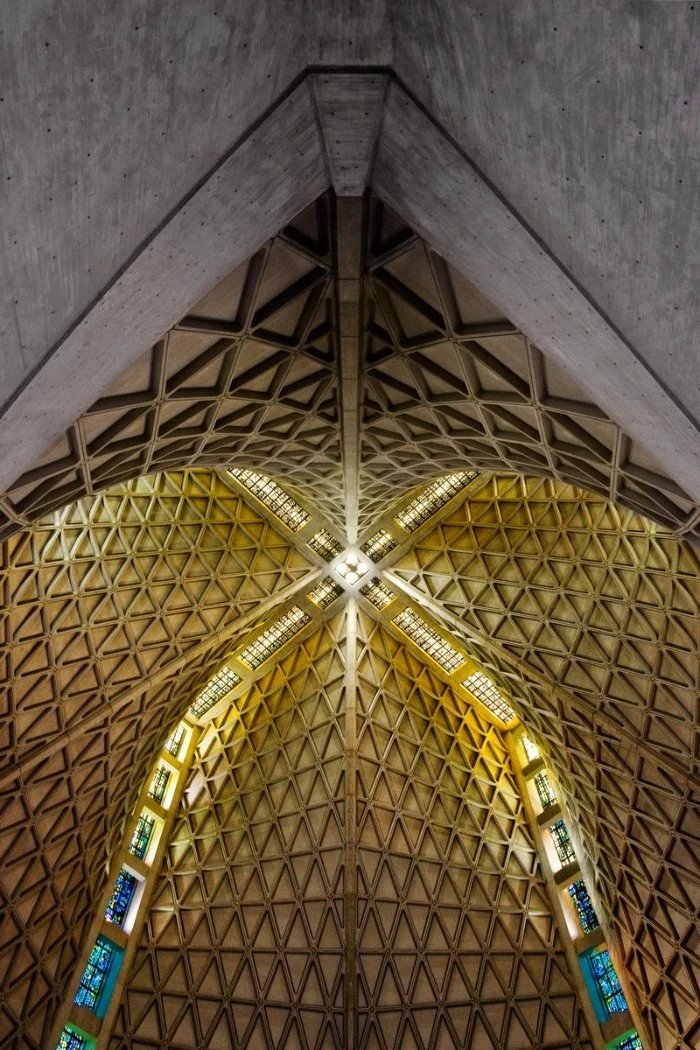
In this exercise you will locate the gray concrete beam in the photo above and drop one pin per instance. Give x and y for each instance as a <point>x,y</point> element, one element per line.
<point>265,180</point>
<point>431,183</point>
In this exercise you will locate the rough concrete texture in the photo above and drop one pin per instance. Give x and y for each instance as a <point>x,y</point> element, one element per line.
<point>580,113</point>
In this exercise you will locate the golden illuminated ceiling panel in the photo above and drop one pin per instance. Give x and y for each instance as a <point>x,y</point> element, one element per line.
<point>244,943</point>
<point>587,618</point>
<point>247,943</point>
<point>116,612</point>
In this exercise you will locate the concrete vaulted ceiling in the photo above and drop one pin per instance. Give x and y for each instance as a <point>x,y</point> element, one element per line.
<point>353,248</point>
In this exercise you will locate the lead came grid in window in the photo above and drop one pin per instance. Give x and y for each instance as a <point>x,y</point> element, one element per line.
<point>274,637</point>
<point>95,974</point>
<point>545,791</point>
<point>325,592</point>
<point>159,783</point>
<point>379,545</point>
<point>607,980</point>
<point>218,686</point>
<point>584,906</point>
<point>174,741</point>
<point>121,898</point>
<point>630,1042</point>
<point>429,640</point>
<point>273,497</point>
<point>326,545</point>
<point>142,836</point>
<point>377,593</point>
<point>70,1040</point>
<point>484,690</point>
<point>432,498</point>
<point>562,842</point>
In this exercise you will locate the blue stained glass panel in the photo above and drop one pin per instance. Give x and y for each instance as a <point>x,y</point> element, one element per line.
<point>562,842</point>
<point>142,836</point>
<point>584,906</point>
<point>93,980</point>
<point>121,897</point>
<point>70,1040</point>
<point>607,981</point>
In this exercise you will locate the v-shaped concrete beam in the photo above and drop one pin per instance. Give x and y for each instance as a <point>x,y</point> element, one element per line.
<point>349,130</point>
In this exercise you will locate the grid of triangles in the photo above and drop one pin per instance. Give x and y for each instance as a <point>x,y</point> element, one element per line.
<point>457,945</point>
<point>587,617</point>
<point>111,593</point>
<point>244,944</point>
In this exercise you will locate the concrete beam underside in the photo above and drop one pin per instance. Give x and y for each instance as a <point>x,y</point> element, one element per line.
<point>317,135</point>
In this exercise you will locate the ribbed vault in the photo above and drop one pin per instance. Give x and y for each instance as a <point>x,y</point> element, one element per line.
<point>594,614</point>
<point>247,943</point>
<point>351,865</point>
<point>347,357</point>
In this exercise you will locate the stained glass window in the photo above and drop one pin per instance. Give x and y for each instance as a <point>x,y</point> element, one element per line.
<point>325,592</point>
<point>159,783</point>
<point>584,906</point>
<point>217,686</point>
<point>545,791</point>
<point>483,689</point>
<point>274,637</point>
<point>174,742</point>
<point>93,980</point>
<point>378,593</point>
<point>531,750</point>
<point>607,981</point>
<point>121,898</point>
<point>142,836</point>
<point>379,545</point>
<point>433,497</point>
<point>630,1042</point>
<point>70,1040</point>
<point>326,545</point>
<point>275,498</point>
<point>429,640</point>
<point>562,842</point>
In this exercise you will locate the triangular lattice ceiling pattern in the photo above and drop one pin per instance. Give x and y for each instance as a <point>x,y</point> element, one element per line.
<point>115,612</point>
<point>595,614</point>
<point>262,373</point>
<point>247,941</point>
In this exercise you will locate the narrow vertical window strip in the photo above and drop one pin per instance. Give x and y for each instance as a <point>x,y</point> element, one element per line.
<point>141,838</point>
<point>531,749</point>
<point>174,741</point>
<point>95,974</point>
<point>562,842</point>
<point>159,783</point>
<point>70,1040</point>
<point>607,981</point>
<point>630,1042</point>
<point>585,911</point>
<point>122,896</point>
<point>545,791</point>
